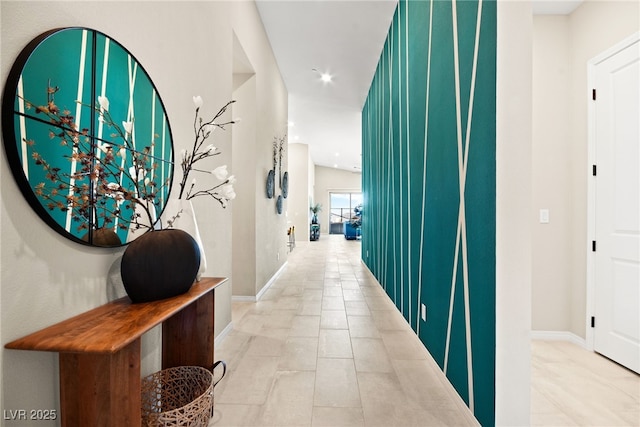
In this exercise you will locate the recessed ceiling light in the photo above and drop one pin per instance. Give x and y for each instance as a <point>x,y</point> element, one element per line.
<point>335,166</point>
<point>296,137</point>
<point>325,77</point>
<point>291,124</point>
<point>337,154</point>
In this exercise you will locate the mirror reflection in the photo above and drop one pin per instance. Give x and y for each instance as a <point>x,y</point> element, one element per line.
<point>87,137</point>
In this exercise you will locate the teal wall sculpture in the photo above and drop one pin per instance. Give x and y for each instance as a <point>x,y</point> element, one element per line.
<point>429,185</point>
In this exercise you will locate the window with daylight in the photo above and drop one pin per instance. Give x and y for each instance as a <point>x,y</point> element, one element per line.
<point>342,209</point>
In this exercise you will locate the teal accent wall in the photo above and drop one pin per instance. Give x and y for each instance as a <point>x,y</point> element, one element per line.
<point>429,183</point>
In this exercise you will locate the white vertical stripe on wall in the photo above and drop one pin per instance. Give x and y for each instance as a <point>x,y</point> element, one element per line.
<point>380,139</point>
<point>406,66</point>
<point>379,226</point>
<point>103,90</point>
<point>130,112</point>
<point>400,172</point>
<point>462,219</point>
<point>23,129</point>
<point>454,278</point>
<point>424,170</point>
<point>454,274</point>
<point>123,160</point>
<point>379,164</point>
<point>383,81</point>
<point>461,235</point>
<point>103,85</point>
<point>163,165</point>
<point>392,170</point>
<point>80,90</point>
<point>152,130</point>
<point>132,71</point>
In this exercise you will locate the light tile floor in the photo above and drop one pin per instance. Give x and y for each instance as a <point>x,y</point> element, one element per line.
<point>571,386</point>
<point>325,346</point>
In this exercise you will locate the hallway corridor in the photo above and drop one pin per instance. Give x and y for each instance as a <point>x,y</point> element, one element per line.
<point>325,346</point>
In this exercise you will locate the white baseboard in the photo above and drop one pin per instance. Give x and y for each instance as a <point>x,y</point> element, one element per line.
<point>559,336</point>
<point>222,335</point>
<point>243,298</point>
<point>271,281</point>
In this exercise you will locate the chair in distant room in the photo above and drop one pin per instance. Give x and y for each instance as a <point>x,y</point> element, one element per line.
<point>351,231</point>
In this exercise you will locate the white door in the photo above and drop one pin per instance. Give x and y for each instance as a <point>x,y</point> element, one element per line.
<point>617,207</point>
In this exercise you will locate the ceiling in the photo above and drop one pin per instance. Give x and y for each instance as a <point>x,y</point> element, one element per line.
<point>344,39</point>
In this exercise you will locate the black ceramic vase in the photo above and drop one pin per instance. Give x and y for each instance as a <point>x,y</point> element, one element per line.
<point>160,264</point>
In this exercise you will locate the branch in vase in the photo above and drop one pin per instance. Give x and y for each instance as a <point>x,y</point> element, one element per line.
<point>94,159</point>
<point>202,131</point>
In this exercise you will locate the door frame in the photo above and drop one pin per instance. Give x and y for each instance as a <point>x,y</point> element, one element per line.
<point>591,187</point>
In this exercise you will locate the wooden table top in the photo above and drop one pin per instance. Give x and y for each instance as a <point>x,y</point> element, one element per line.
<point>113,326</point>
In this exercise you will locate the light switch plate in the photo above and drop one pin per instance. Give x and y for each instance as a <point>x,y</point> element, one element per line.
<point>544,216</point>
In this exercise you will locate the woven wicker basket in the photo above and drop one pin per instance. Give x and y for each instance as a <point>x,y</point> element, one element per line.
<point>180,396</point>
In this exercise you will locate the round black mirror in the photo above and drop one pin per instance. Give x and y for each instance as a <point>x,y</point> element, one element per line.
<point>87,137</point>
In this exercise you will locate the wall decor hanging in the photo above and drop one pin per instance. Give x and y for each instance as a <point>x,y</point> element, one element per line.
<point>271,183</point>
<point>283,179</point>
<point>87,137</point>
<point>285,184</point>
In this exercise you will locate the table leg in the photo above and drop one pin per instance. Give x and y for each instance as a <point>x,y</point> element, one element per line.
<point>187,336</point>
<point>101,389</point>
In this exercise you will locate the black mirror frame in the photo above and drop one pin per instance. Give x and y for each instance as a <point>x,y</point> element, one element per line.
<point>9,131</point>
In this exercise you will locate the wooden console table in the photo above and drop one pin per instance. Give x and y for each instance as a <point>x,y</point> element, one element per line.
<point>100,352</point>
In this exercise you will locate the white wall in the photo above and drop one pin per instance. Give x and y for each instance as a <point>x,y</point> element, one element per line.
<point>270,239</point>
<point>186,47</point>
<point>311,167</point>
<point>551,161</point>
<point>259,241</point>
<point>299,184</point>
<point>331,180</point>
<point>513,213</point>
<point>244,158</point>
<point>562,47</point>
